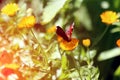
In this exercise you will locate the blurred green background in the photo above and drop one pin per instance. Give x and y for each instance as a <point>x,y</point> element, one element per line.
<point>95,7</point>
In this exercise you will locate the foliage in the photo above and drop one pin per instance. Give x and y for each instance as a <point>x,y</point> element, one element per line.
<point>39,41</point>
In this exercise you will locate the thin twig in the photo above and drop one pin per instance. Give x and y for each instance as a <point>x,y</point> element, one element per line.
<point>39,45</point>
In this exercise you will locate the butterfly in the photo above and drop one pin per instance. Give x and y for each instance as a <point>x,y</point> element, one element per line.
<point>66,35</point>
<point>65,39</point>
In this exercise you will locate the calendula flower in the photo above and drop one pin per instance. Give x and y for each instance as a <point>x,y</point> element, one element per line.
<point>118,42</point>
<point>10,9</point>
<point>27,22</point>
<point>109,17</point>
<point>86,42</point>
<point>65,45</point>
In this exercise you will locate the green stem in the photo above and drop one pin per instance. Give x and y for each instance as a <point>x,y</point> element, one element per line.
<point>41,49</point>
<point>89,61</point>
<point>88,53</point>
<point>61,53</point>
<point>77,67</point>
<point>101,36</point>
<point>79,60</point>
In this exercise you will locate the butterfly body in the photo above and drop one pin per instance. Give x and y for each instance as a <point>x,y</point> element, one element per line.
<point>65,35</point>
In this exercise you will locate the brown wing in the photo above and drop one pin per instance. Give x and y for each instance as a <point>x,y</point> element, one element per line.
<point>61,33</point>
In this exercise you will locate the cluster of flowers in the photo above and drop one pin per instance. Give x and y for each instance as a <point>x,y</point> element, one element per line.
<point>9,67</point>
<point>9,61</point>
<point>110,17</point>
<point>29,21</point>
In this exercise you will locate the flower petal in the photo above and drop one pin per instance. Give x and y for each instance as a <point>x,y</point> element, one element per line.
<point>10,9</point>
<point>28,22</point>
<point>109,17</point>
<point>86,42</point>
<point>118,42</point>
<point>65,45</point>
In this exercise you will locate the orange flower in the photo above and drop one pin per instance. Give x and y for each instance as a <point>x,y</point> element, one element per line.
<point>86,42</point>
<point>28,22</point>
<point>65,45</point>
<point>109,17</point>
<point>10,9</point>
<point>5,58</point>
<point>8,73</point>
<point>118,42</point>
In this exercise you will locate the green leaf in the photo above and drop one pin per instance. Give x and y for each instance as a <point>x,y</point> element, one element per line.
<point>52,8</point>
<point>64,62</point>
<point>116,29</point>
<point>74,74</point>
<point>64,76</point>
<point>117,24</point>
<point>92,53</point>
<point>117,72</point>
<point>82,16</point>
<point>83,54</point>
<point>89,73</point>
<point>109,54</point>
<point>38,75</point>
<point>116,3</point>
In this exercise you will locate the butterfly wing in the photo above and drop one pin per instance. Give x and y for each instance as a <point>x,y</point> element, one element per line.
<point>61,33</point>
<point>70,30</point>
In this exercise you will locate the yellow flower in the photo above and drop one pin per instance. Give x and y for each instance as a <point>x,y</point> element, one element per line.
<point>28,22</point>
<point>86,42</point>
<point>118,42</point>
<point>10,9</point>
<point>51,29</point>
<point>109,17</point>
<point>12,66</point>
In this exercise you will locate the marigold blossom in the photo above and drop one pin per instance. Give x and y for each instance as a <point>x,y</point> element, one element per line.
<point>118,42</point>
<point>27,22</point>
<point>109,17</point>
<point>86,42</point>
<point>10,9</point>
<point>65,45</point>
